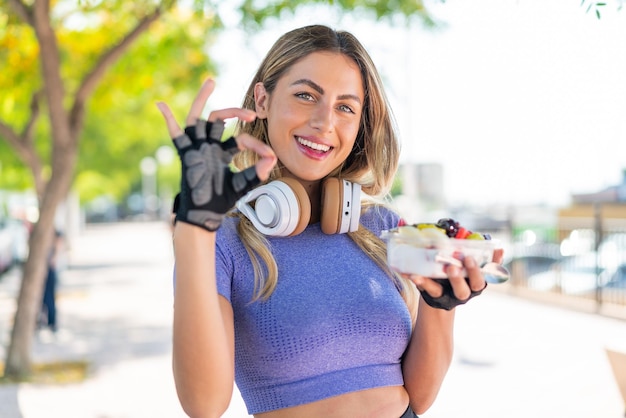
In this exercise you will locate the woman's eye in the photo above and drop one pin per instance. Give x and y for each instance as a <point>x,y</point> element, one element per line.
<point>305,96</point>
<point>346,108</point>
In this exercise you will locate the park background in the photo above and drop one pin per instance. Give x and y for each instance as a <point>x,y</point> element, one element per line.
<point>506,109</point>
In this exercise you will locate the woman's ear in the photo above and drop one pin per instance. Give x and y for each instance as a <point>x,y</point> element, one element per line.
<point>260,100</point>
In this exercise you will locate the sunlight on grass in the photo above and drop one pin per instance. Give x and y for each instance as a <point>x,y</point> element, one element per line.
<point>61,372</point>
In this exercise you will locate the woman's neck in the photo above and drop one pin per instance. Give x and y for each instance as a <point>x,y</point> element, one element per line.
<point>313,190</point>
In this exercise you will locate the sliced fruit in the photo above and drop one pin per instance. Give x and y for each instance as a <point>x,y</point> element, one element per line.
<point>409,230</point>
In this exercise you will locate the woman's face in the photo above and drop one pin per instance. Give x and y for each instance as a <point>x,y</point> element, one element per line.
<point>313,114</point>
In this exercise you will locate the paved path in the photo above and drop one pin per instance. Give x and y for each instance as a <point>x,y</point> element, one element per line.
<point>514,358</point>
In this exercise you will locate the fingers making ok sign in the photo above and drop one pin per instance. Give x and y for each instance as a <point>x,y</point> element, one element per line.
<point>209,189</point>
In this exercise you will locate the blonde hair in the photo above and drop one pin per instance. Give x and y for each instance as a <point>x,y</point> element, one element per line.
<point>372,162</point>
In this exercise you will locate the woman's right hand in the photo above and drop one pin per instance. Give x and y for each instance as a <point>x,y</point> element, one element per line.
<point>209,189</point>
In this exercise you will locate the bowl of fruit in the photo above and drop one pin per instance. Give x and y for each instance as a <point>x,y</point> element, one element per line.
<point>426,248</point>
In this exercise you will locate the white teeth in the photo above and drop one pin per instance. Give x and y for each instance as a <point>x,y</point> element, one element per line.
<point>315,146</point>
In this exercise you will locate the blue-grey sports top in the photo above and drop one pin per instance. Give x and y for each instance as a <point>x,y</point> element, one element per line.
<point>335,323</point>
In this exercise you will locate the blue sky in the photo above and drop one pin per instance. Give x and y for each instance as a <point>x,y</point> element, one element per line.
<point>522,102</point>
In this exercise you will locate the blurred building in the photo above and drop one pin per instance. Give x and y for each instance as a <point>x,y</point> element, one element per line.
<point>424,182</point>
<point>602,210</point>
<point>422,192</point>
<point>612,194</point>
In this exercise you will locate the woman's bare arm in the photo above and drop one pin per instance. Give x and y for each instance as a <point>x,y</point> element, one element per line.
<point>428,356</point>
<point>203,350</point>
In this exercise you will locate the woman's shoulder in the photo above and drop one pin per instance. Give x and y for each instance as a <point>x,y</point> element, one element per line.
<point>379,217</point>
<point>227,232</point>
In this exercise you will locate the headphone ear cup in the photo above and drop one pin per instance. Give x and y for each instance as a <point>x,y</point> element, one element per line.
<point>281,208</point>
<point>331,205</point>
<point>341,206</point>
<point>301,198</point>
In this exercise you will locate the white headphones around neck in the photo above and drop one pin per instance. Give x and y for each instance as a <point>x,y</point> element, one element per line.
<point>282,207</point>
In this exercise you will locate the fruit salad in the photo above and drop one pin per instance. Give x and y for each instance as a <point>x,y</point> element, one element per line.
<point>426,248</point>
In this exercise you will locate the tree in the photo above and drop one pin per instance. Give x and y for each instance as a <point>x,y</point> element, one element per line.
<point>64,77</point>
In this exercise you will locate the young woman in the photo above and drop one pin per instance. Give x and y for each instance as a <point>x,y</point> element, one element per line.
<point>283,295</point>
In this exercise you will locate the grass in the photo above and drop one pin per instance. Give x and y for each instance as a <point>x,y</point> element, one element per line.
<point>60,372</point>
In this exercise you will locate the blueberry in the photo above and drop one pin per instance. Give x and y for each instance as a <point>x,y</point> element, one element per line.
<point>449,225</point>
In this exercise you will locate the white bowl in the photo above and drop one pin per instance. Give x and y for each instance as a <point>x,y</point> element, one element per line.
<point>428,256</point>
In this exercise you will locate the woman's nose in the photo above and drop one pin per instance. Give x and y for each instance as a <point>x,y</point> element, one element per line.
<point>322,118</point>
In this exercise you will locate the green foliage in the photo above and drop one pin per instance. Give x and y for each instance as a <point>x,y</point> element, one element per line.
<point>122,124</point>
<point>19,80</point>
<point>255,13</point>
<point>19,66</point>
<point>396,186</point>
<point>597,6</point>
<point>13,174</point>
<point>593,5</point>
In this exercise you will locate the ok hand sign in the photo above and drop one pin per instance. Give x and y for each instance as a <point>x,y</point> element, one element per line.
<point>209,189</point>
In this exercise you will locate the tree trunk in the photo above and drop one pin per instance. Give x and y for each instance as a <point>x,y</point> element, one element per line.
<point>19,362</point>
<point>65,132</point>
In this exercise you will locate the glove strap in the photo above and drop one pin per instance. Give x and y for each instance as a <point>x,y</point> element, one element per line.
<point>447,300</point>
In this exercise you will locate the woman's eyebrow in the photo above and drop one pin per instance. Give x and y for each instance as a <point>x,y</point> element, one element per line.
<point>320,90</point>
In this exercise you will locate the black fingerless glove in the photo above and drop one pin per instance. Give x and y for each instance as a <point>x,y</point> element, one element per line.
<point>208,187</point>
<point>447,300</point>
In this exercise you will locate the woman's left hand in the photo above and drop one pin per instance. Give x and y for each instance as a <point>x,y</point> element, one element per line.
<point>209,188</point>
<point>456,289</point>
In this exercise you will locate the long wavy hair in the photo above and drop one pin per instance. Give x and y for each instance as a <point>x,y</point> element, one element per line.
<point>372,162</point>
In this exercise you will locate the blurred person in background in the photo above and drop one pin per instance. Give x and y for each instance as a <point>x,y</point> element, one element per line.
<point>48,313</point>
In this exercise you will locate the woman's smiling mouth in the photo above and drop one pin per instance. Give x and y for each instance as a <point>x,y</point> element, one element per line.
<point>313,145</point>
